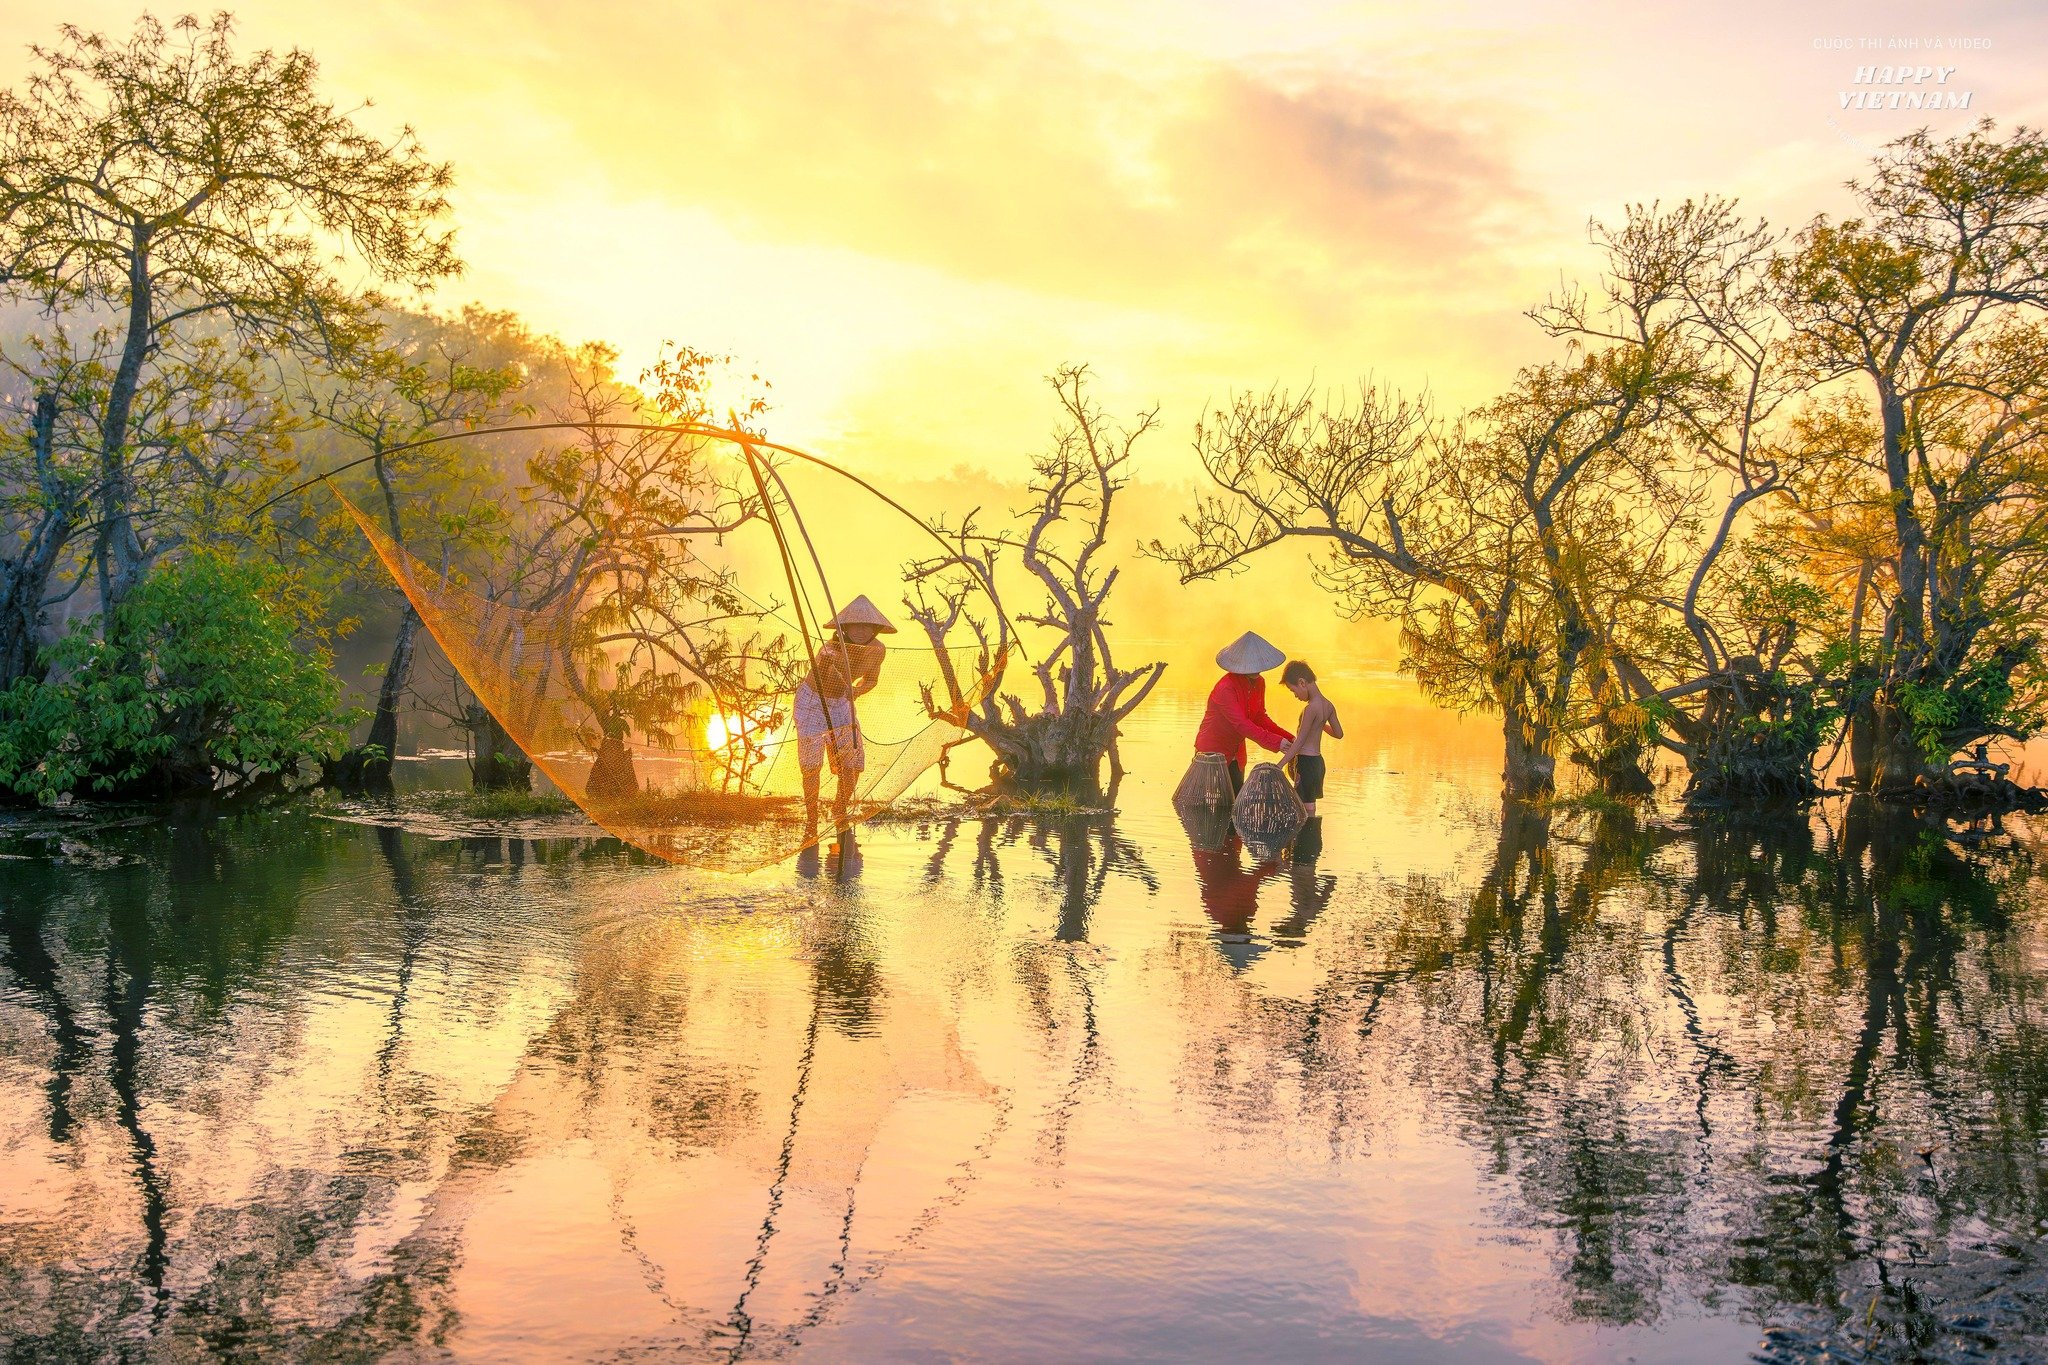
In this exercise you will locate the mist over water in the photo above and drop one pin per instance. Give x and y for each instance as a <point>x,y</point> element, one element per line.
<point>1462,1085</point>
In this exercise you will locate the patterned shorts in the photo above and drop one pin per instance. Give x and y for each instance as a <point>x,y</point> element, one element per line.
<point>827,729</point>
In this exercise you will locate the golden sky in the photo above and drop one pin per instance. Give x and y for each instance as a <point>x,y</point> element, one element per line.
<point>905,213</point>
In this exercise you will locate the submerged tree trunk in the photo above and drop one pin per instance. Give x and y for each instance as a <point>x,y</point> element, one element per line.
<point>1755,739</point>
<point>397,673</point>
<point>496,762</point>
<point>1529,768</point>
<point>1619,762</point>
<point>612,777</point>
<point>1050,752</point>
<point>1619,759</point>
<point>1861,742</point>
<point>369,764</point>
<point>1883,752</point>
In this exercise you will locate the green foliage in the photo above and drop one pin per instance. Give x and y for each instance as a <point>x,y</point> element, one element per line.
<point>229,176</point>
<point>1772,599</point>
<point>1660,718</point>
<point>186,216</point>
<point>196,681</point>
<point>1591,801</point>
<point>1980,699</point>
<point>659,634</point>
<point>502,773</point>
<point>1054,804</point>
<point>1931,710</point>
<point>1752,755</point>
<point>499,804</point>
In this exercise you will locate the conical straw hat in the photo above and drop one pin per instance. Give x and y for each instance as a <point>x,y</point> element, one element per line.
<point>1249,653</point>
<point>861,612</point>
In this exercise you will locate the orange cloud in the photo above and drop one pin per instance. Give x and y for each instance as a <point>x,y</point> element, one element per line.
<point>1023,160</point>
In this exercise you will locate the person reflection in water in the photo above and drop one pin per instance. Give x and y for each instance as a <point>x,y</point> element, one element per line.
<point>847,667</point>
<point>1309,889</point>
<point>843,863</point>
<point>1237,705</point>
<point>1229,890</point>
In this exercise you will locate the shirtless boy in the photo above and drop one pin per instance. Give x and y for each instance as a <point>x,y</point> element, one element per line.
<point>1318,718</point>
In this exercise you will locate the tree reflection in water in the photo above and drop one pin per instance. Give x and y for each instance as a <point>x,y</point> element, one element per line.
<point>1080,856</point>
<point>1814,947</point>
<point>1794,1066</point>
<point>1800,1061</point>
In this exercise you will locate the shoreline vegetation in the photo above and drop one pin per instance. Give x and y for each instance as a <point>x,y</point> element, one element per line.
<point>1767,494</point>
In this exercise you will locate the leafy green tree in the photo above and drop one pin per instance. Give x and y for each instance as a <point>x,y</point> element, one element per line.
<point>194,684</point>
<point>1508,546</point>
<point>207,422</point>
<point>1920,313</point>
<point>424,377</point>
<point>603,560</point>
<point>167,185</point>
<point>1695,657</point>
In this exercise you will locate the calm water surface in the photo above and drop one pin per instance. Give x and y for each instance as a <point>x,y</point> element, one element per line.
<point>1458,1087</point>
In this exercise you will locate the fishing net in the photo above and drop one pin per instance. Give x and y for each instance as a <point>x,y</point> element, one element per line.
<point>668,651</point>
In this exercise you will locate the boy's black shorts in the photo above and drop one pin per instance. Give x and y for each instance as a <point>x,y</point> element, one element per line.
<point>1308,777</point>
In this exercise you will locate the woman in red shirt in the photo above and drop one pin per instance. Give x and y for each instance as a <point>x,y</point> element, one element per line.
<point>1237,705</point>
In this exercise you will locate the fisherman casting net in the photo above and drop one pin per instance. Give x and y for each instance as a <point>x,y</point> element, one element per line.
<point>683,649</point>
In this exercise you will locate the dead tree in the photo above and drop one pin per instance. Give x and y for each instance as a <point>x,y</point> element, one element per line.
<point>1060,745</point>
